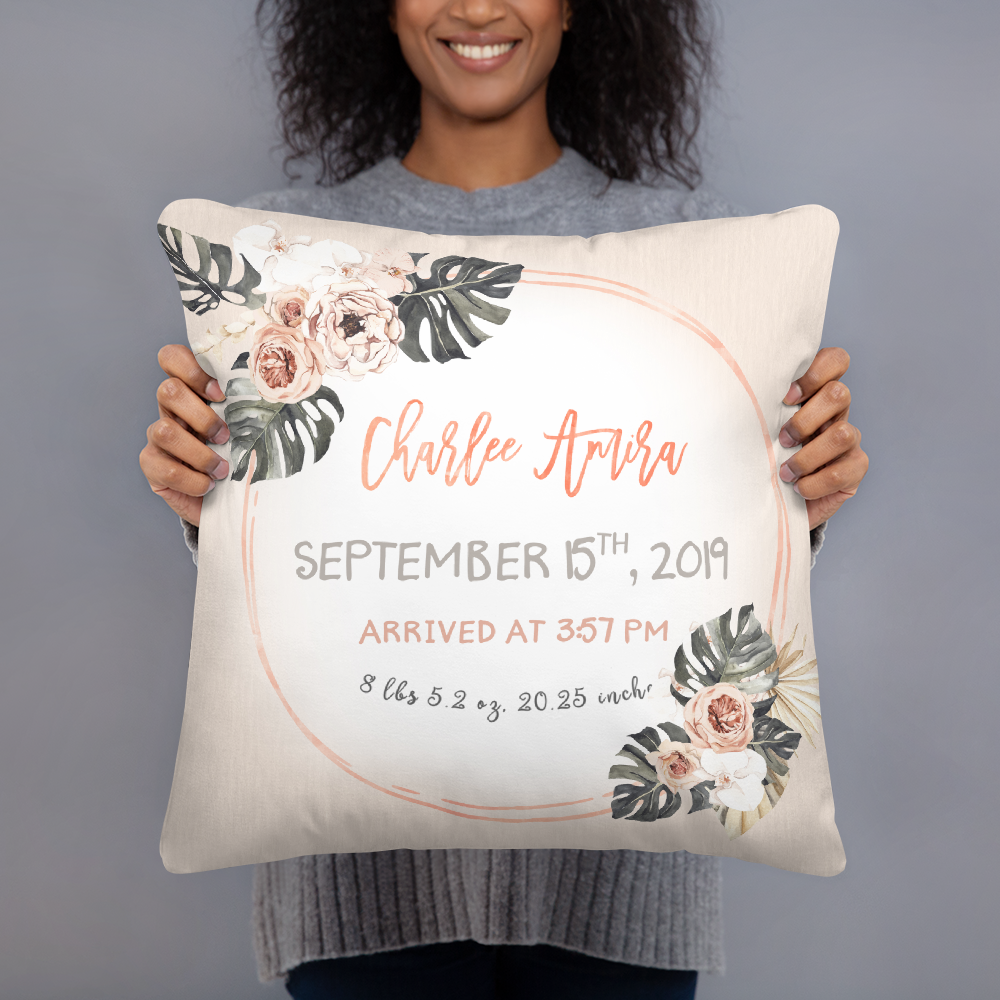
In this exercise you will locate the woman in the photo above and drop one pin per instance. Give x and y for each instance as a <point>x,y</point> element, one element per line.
<point>509,116</point>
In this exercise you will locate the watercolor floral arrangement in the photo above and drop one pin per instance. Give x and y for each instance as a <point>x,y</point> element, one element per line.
<point>730,741</point>
<point>314,313</point>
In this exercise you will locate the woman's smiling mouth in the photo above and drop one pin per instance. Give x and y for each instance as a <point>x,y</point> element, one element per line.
<point>481,51</point>
<point>480,54</point>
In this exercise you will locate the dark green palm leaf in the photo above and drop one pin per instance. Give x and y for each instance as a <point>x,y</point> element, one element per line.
<point>645,798</point>
<point>205,286</point>
<point>724,657</point>
<point>674,732</point>
<point>699,796</point>
<point>775,742</point>
<point>649,739</point>
<point>277,432</point>
<point>452,302</point>
<point>644,802</point>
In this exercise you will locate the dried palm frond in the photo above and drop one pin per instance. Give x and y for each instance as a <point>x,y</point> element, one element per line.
<point>797,694</point>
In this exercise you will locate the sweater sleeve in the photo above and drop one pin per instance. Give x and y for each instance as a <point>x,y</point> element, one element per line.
<point>816,538</point>
<point>191,539</point>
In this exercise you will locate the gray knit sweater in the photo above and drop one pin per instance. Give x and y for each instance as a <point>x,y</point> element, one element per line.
<point>661,910</point>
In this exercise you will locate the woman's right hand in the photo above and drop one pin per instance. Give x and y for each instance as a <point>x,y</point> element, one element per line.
<point>180,467</point>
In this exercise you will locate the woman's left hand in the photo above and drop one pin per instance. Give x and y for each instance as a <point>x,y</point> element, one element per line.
<point>830,465</point>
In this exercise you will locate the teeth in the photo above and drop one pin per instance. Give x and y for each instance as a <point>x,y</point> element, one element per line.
<point>481,51</point>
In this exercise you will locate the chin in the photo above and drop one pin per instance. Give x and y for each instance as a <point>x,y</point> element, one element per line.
<point>484,103</point>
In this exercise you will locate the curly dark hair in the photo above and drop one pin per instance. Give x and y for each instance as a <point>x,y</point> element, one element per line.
<point>625,91</point>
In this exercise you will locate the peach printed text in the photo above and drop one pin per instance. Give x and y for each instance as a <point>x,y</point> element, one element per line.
<point>482,631</point>
<point>469,465</point>
<point>596,447</point>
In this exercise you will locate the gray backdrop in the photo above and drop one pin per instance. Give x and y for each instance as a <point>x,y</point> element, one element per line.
<point>884,111</point>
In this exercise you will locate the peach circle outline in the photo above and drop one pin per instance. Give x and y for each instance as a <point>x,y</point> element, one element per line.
<point>783,555</point>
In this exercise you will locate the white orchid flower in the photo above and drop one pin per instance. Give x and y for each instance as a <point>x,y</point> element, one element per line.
<point>388,270</point>
<point>348,270</point>
<point>290,260</point>
<point>737,778</point>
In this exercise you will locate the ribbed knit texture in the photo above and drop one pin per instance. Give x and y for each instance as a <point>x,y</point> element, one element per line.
<point>660,910</point>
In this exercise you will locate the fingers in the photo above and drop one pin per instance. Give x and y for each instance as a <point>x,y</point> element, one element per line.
<point>830,465</point>
<point>829,365</point>
<point>837,440</point>
<point>179,444</point>
<point>830,403</point>
<point>179,466</point>
<point>178,401</point>
<point>843,475</point>
<point>178,361</point>
<point>828,470</point>
<point>164,471</point>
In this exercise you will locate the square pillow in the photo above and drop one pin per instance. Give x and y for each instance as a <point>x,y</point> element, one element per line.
<point>503,560</point>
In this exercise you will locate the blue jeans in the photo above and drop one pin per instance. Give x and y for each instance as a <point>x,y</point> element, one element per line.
<point>465,970</point>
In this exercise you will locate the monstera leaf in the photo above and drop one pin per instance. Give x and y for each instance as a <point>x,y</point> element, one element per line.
<point>675,732</point>
<point>241,387</point>
<point>451,301</point>
<point>640,798</point>
<point>277,432</point>
<point>775,742</point>
<point>724,657</point>
<point>205,286</point>
<point>699,796</point>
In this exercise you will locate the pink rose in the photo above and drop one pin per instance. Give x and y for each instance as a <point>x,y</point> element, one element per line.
<point>678,765</point>
<point>288,307</point>
<point>358,328</point>
<point>286,366</point>
<point>719,718</point>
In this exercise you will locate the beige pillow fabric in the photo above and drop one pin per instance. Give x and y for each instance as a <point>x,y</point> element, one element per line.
<point>504,559</point>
